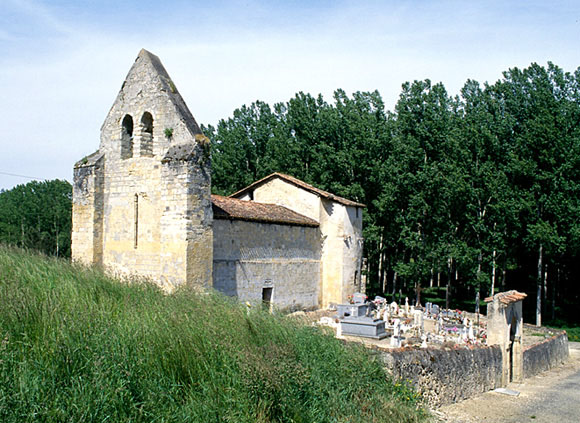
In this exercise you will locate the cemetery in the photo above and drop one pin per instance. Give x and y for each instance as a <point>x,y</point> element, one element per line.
<point>450,355</point>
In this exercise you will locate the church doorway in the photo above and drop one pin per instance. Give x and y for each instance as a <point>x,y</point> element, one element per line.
<point>267,297</point>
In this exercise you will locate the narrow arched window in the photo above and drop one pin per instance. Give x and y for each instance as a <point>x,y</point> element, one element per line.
<point>127,137</point>
<point>146,135</point>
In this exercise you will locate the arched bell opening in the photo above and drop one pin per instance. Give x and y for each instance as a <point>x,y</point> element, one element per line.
<point>146,147</point>
<point>127,137</point>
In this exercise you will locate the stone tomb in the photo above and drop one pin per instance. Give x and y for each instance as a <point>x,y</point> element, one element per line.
<point>364,326</point>
<point>355,320</point>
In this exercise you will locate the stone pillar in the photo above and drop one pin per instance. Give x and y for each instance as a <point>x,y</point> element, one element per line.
<point>517,367</point>
<point>505,328</point>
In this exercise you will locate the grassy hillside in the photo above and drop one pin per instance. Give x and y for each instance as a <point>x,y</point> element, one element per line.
<point>76,346</point>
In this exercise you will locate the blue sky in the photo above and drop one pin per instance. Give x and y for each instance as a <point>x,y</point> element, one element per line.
<point>63,62</point>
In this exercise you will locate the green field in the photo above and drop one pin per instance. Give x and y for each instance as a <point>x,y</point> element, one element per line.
<point>77,346</point>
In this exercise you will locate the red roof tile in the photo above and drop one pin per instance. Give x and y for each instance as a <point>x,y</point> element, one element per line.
<point>507,297</point>
<point>300,184</point>
<point>234,209</point>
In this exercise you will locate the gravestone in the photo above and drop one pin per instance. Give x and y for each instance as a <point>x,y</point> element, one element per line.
<point>396,338</point>
<point>418,320</point>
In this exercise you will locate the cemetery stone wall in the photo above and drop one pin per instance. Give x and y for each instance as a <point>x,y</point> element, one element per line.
<point>546,354</point>
<point>444,376</point>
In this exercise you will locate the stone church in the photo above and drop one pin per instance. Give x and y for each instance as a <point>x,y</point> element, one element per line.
<point>142,204</point>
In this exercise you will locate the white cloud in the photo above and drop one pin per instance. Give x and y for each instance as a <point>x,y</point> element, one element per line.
<point>59,82</point>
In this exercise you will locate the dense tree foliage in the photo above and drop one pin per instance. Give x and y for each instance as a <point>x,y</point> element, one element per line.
<point>477,192</point>
<point>38,216</point>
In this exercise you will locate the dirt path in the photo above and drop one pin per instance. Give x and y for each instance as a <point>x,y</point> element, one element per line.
<point>552,396</point>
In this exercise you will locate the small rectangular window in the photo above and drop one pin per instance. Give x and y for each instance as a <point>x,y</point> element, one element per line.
<point>136,231</point>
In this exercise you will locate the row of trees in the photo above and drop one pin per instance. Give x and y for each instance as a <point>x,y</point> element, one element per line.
<point>474,192</point>
<point>37,215</point>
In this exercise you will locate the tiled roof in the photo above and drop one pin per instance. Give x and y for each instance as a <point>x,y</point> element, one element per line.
<point>299,184</point>
<point>507,297</point>
<point>234,209</point>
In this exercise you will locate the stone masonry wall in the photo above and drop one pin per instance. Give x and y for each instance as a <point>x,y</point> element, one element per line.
<point>132,213</point>
<point>352,251</point>
<point>341,227</point>
<point>186,221</point>
<point>249,256</point>
<point>332,228</point>
<point>546,354</point>
<point>283,193</point>
<point>341,231</point>
<point>444,376</point>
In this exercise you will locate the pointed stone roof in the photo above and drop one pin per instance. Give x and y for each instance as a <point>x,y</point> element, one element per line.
<point>170,86</point>
<point>299,184</point>
<point>147,65</point>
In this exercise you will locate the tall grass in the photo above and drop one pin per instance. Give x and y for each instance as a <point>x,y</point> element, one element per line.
<point>78,346</point>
